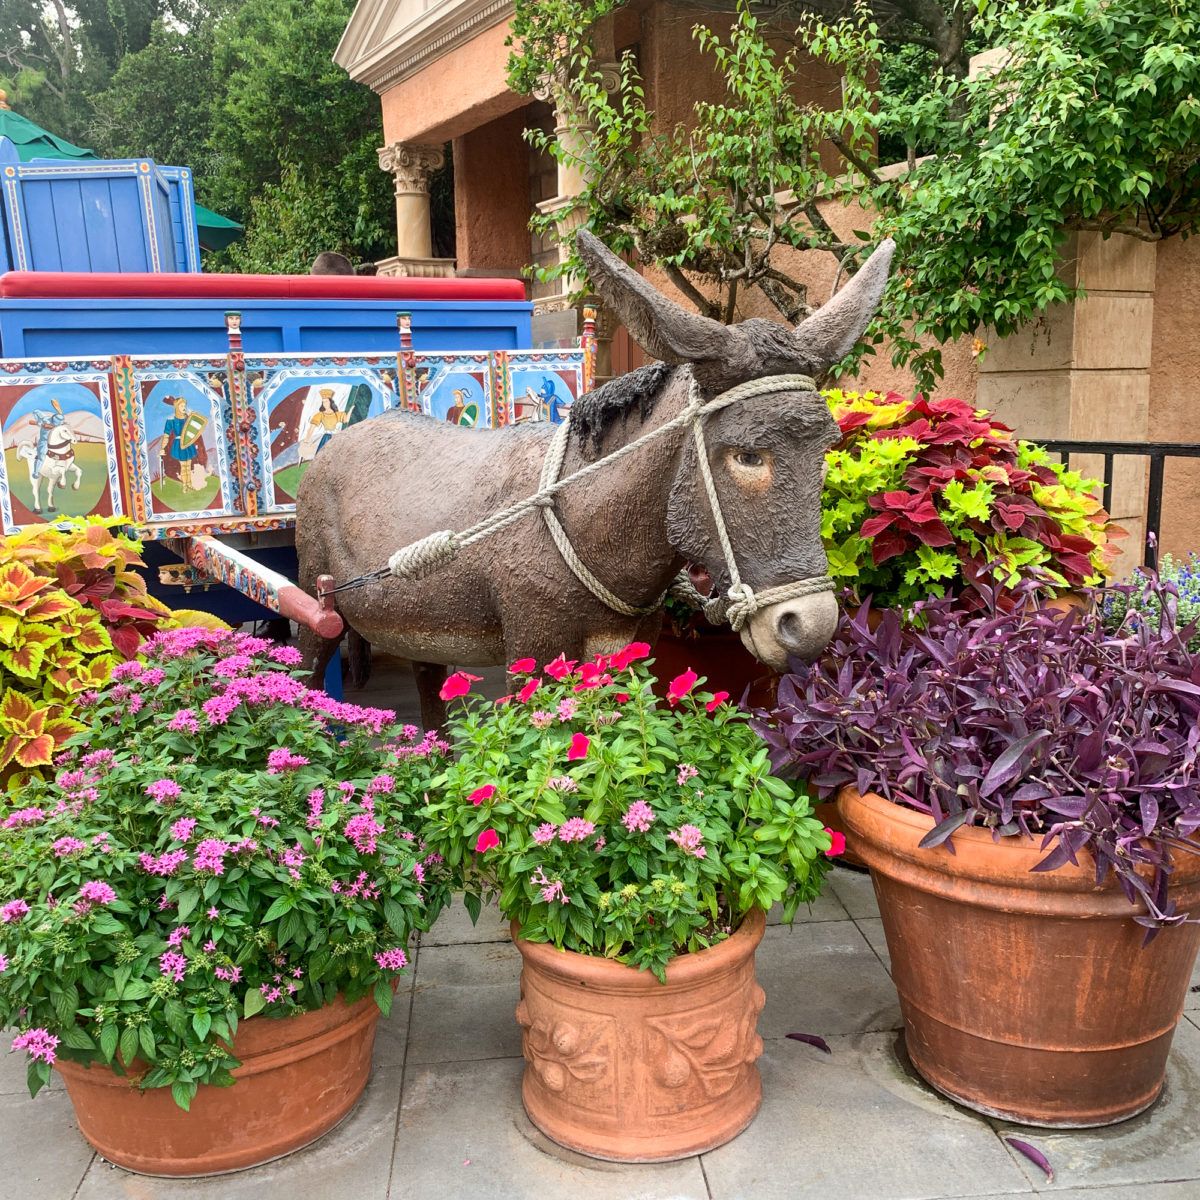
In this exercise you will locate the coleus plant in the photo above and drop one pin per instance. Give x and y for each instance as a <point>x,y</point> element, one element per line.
<point>1025,721</point>
<point>932,497</point>
<point>72,605</point>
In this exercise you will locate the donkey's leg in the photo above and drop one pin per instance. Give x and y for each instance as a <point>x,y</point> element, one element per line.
<point>319,653</point>
<point>430,677</point>
<point>358,655</point>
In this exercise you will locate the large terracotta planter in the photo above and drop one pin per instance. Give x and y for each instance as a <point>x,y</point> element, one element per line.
<point>299,1077</point>
<point>1025,996</point>
<point>622,1067</point>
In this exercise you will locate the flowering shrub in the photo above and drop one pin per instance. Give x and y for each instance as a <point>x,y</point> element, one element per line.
<point>930,497</point>
<point>220,842</point>
<point>71,606</point>
<point>1028,722</point>
<point>1142,600</point>
<point>615,824</point>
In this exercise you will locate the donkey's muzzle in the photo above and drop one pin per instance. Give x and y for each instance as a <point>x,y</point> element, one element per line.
<point>798,628</point>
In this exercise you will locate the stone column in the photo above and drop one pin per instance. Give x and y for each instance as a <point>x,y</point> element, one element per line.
<point>412,165</point>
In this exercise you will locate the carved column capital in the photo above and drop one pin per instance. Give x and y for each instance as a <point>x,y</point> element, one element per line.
<point>412,165</point>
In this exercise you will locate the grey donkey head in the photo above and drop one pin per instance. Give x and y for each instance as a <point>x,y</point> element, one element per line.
<point>766,453</point>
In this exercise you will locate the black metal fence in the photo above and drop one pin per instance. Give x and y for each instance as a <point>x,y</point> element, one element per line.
<point>1157,453</point>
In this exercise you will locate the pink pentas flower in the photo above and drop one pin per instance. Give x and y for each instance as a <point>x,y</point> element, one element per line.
<point>363,830</point>
<point>489,839</point>
<point>182,829</point>
<point>480,794</point>
<point>545,833</point>
<point>579,747</point>
<point>531,686</point>
<point>162,790</point>
<point>567,708</point>
<point>172,965</point>
<point>3,964</point>
<point>96,891</point>
<point>14,910</point>
<point>541,720</point>
<point>523,666</point>
<point>281,760</point>
<point>184,721</point>
<point>381,784</point>
<point>209,946</point>
<point>210,856</point>
<point>392,960</point>
<point>681,685</point>
<point>686,771</point>
<point>562,783</point>
<point>560,668</point>
<point>639,816</point>
<point>458,684</point>
<point>689,839</point>
<point>153,677</point>
<point>575,829</point>
<point>66,846</point>
<point>718,699</point>
<point>837,843</point>
<point>288,656</point>
<point>126,670</point>
<point>178,934</point>
<point>228,974</point>
<point>213,913</point>
<point>24,816</point>
<point>37,1043</point>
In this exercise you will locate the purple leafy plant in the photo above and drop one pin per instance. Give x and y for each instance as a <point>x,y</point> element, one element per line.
<point>1030,722</point>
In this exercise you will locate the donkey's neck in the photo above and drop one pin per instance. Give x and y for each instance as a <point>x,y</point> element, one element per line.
<point>617,519</point>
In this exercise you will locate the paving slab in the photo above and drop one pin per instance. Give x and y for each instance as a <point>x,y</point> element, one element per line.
<point>1160,1145</point>
<point>1183,1190</point>
<point>464,1003</point>
<point>855,890</point>
<point>823,978</point>
<point>463,1134</point>
<point>855,1124</point>
<point>826,907</point>
<point>454,927</point>
<point>44,1155</point>
<point>872,929</point>
<point>353,1162</point>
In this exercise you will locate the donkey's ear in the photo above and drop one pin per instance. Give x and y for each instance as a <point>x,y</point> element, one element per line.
<point>830,333</point>
<point>661,327</point>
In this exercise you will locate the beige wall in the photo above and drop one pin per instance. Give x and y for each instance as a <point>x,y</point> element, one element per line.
<point>491,195</point>
<point>1174,404</point>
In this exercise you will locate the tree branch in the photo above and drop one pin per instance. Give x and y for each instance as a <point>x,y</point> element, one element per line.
<point>855,160</point>
<point>689,289</point>
<point>1143,235</point>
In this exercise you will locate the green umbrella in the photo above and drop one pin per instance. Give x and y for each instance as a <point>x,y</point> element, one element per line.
<point>32,141</point>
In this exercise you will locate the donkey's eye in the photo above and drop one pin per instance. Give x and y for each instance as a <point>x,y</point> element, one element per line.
<point>747,458</point>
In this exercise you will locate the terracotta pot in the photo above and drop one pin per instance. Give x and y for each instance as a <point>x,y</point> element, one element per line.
<point>1065,601</point>
<point>1025,996</point>
<point>718,655</point>
<point>622,1067</point>
<point>299,1077</point>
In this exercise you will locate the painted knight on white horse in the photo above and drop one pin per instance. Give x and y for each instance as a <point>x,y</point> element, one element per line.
<point>52,458</point>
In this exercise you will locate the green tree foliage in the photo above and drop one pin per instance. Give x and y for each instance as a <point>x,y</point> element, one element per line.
<point>1093,124</point>
<point>244,92</point>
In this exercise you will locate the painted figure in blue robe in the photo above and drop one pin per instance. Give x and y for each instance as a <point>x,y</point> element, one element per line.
<point>45,422</point>
<point>181,449</point>
<point>552,406</point>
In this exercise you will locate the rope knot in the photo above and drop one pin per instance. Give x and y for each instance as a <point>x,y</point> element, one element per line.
<point>741,605</point>
<point>425,556</point>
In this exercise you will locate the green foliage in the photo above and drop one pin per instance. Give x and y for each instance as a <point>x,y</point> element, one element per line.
<point>931,498</point>
<point>1142,602</point>
<point>209,852</point>
<point>614,824</point>
<point>72,605</point>
<point>1092,125</point>
<point>713,200</point>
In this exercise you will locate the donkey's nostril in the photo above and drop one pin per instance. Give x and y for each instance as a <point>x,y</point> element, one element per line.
<point>804,627</point>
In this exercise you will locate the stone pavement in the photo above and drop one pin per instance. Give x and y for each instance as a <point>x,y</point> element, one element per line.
<point>441,1118</point>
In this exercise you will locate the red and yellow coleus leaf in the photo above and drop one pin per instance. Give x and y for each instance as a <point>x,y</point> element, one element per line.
<point>92,638</point>
<point>94,672</point>
<point>17,711</point>
<point>51,606</point>
<point>28,649</point>
<point>19,587</point>
<point>37,752</point>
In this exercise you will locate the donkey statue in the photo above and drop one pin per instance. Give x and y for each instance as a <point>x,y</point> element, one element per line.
<point>391,480</point>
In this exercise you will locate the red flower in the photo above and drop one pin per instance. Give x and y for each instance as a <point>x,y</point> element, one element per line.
<point>530,687</point>
<point>579,747</point>
<point>489,839</point>
<point>635,650</point>
<point>681,685</point>
<point>560,668</point>
<point>837,843</point>
<point>718,699</point>
<point>458,684</point>
<point>480,794</point>
<point>622,697</point>
<point>523,666</point>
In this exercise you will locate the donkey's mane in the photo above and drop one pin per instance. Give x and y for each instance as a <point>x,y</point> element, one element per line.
<point>594,413</point>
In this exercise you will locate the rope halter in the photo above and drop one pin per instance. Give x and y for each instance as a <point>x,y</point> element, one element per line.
<point>737,606</point>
